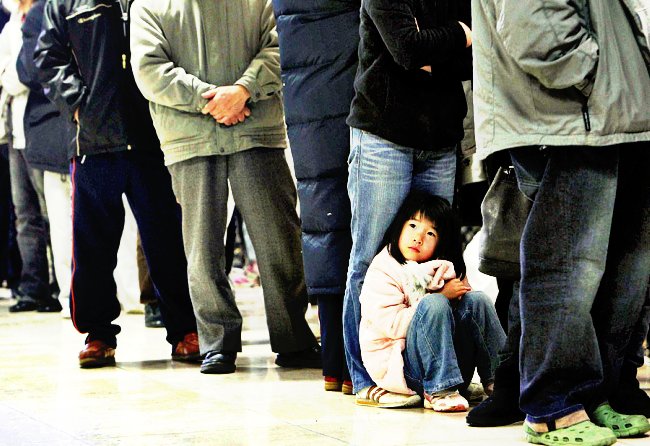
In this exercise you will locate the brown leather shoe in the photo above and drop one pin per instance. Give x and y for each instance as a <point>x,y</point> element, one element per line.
<point>188,349</point>
<point>96,354</point>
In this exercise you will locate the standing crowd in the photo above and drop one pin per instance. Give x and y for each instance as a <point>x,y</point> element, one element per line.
<point>177,104</point>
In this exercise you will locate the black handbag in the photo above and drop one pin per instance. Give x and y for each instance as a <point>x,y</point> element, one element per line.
<point>505,211</point>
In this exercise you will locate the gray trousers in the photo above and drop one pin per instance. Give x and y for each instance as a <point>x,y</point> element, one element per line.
<point>265,194</point>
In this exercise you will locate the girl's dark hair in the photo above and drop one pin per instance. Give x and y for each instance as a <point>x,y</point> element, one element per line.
<point>438,211</point>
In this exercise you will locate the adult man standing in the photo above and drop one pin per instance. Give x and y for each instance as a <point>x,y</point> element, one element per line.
<point>218,112</point>
<point>564,86</point>
<point>83,56</point>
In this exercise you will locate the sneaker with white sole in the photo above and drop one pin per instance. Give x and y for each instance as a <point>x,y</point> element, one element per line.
<point>446,401</point>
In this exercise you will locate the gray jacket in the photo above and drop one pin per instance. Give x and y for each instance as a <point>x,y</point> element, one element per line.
<point>181,49</point>
<point>557,73</point>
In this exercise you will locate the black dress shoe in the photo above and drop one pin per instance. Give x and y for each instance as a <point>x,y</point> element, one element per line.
<point>219,363</point>
<point>50,306</point>
<point>23,305</point>
<point>305,359</point>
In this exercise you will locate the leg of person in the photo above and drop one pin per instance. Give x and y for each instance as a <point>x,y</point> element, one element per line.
<point>330,315</point>
<point>502,407</point>
<point>148,296</point>
<point>622,292</point>
<point>97,222</point>
<point>265,194</point>
<point>126,272</point>
<point>5,210</point>
<point>434,172</point>
<point>629,398</point>
<point>478,328</point>
<point>201,186</point>
<point>430,361</point>
<point>564,247</point>
<point>151,198</point>
<point>380,176</point>
<point>58,199</point>
<point>31,235</point>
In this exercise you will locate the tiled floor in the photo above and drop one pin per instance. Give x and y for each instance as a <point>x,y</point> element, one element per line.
<point>45,399</point>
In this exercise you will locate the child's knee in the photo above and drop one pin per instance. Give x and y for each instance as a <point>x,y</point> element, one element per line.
<point>476,301</point>
<point>434,305</point>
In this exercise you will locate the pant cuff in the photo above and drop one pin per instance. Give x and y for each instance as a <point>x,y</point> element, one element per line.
<point>558,423</point>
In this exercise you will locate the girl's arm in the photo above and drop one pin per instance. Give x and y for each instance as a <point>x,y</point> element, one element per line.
<point>384,304</point>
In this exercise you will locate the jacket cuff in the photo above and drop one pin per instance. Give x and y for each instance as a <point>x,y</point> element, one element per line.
<point>250,84</point>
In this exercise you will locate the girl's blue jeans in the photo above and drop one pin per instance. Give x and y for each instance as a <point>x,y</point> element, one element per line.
<point>448,339</point>
<point>381,175</point>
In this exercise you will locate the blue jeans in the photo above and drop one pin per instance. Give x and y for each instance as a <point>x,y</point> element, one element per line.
<point>448,339</point>
<point>585,255</point>
<point>31,228</point>
<point>381,175</point>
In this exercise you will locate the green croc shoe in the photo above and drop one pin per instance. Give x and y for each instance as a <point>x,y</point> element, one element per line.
<point>623,426</point>
<point>584,433</point>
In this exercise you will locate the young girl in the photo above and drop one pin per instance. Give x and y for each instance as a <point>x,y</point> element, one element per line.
<point>423,330</point>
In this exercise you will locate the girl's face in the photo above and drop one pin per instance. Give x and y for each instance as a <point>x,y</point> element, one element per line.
<point>418,239</point>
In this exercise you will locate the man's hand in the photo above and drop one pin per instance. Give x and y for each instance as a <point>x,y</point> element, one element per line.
<point>426,68</point>
<point>468,34</point>
<point>454,289</point>
<point>227,104</point>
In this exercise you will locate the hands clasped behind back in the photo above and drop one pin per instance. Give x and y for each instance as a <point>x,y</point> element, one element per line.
<point>227,104</point>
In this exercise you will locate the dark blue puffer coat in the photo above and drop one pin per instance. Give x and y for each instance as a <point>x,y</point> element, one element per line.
<point>318,55</point>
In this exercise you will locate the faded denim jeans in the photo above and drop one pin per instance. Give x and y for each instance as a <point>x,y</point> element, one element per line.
<point>585,255</point>
<point>381,175</point>
<point>448,339</point>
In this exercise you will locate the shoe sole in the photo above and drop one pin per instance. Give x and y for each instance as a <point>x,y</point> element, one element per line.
<point>188,358</point>
<point>347,389</point>
<point>218,370</point>
<point>410,402</point>
<point>93,363</point>
<point>504,421</point>
<point>333,386</point>
<point>536,440</point>
<point>631,432</point>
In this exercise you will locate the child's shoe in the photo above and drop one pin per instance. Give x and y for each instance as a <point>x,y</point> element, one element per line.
<point>375,396</point>
<point>346,387</point>
<point>623,426</point>
<point>446,401</point>
<point>584,433</point>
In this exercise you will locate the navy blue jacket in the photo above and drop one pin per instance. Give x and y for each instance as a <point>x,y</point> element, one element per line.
<point>318,56</point>
<point>49,135</point>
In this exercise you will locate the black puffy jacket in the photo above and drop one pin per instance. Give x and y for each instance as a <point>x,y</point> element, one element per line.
<point>49,135</point>
<point>84,61</point>
<point>394,98</point>
<point>318,56</point>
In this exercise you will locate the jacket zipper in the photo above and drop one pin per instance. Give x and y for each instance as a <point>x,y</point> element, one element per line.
<point>125,22</point>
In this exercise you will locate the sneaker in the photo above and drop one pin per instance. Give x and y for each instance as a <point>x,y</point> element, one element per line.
<point>584,433</point>
<point>309,358</point>
<point>375,396</point>
<point>219,363</point>
<point>623,426</point>
<point>96,354</point>
<point>446,401</point>
<point>187,350</point>
<point>153,316</point>
<point>346,388</point>
<point>474,393</point>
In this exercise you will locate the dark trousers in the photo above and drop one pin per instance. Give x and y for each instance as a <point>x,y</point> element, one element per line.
<point>10,263</point>
<point>97,223</point>
<point>330,316</point>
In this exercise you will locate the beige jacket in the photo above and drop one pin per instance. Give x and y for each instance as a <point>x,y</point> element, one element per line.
<point>181,49</point>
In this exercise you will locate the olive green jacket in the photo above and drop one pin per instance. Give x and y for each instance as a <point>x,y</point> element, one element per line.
<point>181,49</point>
<point>557,73</point>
